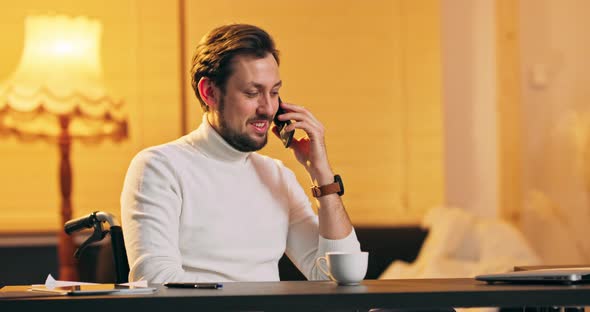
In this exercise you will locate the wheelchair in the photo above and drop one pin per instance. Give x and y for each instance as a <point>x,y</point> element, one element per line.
<point>95,221</point>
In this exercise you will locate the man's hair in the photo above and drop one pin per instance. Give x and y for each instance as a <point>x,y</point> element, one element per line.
<point>214,53</point>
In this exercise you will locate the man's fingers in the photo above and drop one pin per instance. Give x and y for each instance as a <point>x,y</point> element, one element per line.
<point>297,109</point>
<point>299,117</point>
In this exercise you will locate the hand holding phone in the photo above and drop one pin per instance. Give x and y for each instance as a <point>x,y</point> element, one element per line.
<point>286,136</point>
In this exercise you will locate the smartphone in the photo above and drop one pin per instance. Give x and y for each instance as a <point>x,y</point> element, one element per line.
<point>286,136</point>
<point>194,285</point>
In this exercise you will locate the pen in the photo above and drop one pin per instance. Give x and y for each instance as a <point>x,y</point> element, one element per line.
<point>194,285</point>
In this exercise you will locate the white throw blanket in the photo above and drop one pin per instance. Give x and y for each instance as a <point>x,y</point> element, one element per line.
<point>460,244</point>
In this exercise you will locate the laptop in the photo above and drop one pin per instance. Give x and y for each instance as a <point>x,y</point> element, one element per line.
<point>554,275</point>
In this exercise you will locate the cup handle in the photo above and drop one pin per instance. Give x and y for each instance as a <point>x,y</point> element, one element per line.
<point>322,264</point>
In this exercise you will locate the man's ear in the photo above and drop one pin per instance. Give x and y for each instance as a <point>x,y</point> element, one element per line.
<point>209,92</point>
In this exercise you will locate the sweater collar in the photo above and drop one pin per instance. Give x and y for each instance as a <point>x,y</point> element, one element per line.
<point>206,139</point>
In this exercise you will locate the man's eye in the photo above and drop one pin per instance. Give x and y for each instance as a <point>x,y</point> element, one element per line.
<point>251,94</point>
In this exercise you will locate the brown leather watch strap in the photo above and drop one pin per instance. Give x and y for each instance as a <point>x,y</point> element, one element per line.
<point>336,187</point>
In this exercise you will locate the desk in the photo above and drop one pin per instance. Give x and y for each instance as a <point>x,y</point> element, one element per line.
<point>319,296</point>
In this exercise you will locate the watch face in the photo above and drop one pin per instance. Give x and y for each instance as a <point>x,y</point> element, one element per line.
<point>338,180</point>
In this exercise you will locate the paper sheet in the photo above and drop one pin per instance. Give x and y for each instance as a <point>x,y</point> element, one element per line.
<point>51,283</point>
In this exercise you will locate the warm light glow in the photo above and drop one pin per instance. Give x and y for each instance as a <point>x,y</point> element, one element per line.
<point>60,73</point>
<point>63,47</point>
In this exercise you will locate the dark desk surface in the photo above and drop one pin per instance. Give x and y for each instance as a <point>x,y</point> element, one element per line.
<point>310,296</point>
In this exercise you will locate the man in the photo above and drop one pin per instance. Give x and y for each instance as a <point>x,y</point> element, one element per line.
<point>207,207</point>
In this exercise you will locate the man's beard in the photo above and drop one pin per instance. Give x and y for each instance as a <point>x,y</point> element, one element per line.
<point>240,141</point>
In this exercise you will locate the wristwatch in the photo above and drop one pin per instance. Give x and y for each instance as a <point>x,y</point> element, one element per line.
<point>323,190</point>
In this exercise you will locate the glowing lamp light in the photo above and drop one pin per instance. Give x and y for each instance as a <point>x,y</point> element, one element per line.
<point>60,74</point>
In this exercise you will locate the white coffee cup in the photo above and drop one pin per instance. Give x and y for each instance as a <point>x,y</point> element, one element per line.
<point>345,268</point>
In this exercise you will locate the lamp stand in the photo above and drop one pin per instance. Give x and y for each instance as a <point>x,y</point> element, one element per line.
<point>67,263</point>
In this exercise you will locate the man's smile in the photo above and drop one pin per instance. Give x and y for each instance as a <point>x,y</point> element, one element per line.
<point>260,126</point>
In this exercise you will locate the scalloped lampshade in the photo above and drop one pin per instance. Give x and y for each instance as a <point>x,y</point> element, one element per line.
<point>60,73</point>
<point>57,93</point>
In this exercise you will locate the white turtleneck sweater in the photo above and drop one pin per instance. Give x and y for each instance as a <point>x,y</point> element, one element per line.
<point>196,209</point>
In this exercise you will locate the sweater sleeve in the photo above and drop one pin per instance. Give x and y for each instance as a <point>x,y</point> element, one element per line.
<point>304,243</point>
<point>150,211</point>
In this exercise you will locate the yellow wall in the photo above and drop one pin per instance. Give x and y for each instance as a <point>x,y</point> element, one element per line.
<point>369,71</point>
<point>421,82</point>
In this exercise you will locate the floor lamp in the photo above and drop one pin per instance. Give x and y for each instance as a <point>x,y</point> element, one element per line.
<point>57,94</point>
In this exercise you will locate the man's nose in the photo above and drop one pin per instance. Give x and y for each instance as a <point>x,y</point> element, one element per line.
<point>266,105</point>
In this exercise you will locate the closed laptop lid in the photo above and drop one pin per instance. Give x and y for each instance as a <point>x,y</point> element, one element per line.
<point>556,275</point>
